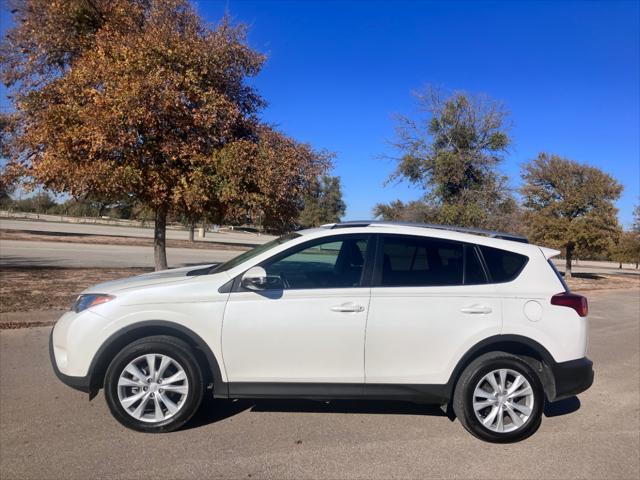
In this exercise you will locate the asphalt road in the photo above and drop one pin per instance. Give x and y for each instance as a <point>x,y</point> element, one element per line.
<point>24,253</point>
<point>50,431</point>
<point>126,231</point>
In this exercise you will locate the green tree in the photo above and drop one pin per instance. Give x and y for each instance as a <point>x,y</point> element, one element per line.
<point>570,205</point>
<point>92,206</point>
<point>138,99</point>
<point>507,215</point>
<point>452,151</point>
<point>627,248</point>
<point>323,204</point>
<point>40,202</point>
<point>412,211</point>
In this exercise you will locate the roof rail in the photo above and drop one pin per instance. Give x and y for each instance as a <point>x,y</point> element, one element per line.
<point>473,231</point>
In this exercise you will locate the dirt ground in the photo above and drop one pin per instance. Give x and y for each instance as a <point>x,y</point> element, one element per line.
<point>585,282</point>
<point>35,235</point>
<point>49,288</point>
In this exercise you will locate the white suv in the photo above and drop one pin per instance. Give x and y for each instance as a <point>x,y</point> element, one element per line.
<point>478,321</point>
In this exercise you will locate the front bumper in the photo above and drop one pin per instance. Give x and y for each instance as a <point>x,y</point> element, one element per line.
<point>79,383</point>
<point>572,377</point>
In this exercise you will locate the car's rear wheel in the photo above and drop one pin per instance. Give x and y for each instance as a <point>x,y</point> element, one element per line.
<point>499,398</point>
<point>154,384</point>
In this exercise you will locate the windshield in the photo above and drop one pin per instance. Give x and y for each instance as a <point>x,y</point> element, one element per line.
<point>254,252</point>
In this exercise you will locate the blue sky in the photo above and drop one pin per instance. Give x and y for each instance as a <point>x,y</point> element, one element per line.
<point>337,71</point>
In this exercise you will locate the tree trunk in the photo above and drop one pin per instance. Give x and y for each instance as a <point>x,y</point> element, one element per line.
<point>619,264</point>
<point>567,270</point>
<point>192,229</point>
<point>160,238</point>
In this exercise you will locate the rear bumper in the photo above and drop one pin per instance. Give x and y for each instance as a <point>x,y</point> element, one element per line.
<point>79,383</point>
<point>572,377</point>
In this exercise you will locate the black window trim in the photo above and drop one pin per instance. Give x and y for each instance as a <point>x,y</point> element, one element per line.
<point>475,250</point>
<point>367,267</point>
<point>485,267</point>
<point>559,275</point>
<point>377,274</point>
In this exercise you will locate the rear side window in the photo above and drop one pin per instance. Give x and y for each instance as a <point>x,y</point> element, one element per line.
<point>417,261</point>
<point>503,265</point>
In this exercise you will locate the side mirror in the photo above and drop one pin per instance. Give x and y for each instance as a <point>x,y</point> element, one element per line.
<point>256,278</point>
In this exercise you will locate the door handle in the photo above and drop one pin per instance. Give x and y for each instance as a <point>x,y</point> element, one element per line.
<point>347,307</point>
<point>476,309</point>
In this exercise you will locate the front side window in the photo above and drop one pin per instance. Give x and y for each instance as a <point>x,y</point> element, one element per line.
<point>419,261</point>
<point>254,252</point>
<point>335,263</point>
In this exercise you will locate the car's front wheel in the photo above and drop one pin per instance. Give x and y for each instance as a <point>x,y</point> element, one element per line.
<point>499,398</point>
<point>154,384</point>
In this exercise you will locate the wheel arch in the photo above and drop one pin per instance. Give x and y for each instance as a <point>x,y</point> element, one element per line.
<point>123,337</point>
<point>537,356</point>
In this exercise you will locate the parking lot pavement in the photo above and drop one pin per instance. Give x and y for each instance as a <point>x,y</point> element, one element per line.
<point>50,431</point>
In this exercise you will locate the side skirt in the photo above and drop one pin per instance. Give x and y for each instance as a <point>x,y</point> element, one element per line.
<point>437,394</point>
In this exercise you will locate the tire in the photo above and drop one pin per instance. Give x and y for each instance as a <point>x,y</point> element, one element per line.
<point>170,399</point>
<point>485,424</point>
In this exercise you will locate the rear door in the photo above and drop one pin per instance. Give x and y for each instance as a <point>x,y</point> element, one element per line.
<point>430,302</point>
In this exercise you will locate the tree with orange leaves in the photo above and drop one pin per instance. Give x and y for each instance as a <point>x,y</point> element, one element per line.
<point>141,99</point>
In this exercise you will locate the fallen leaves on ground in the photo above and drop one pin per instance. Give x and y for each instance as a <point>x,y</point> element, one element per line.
<point>51,288</point>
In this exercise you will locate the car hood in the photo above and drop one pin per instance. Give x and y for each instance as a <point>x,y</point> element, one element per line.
<point>148,279</point>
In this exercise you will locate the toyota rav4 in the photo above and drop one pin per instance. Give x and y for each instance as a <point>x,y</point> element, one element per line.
<point>479,322</point>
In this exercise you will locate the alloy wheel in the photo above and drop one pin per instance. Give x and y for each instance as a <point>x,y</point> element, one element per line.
<point>503,400</point>
<point>153,388</point>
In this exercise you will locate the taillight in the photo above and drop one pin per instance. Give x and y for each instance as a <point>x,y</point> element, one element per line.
<point>571,300</point>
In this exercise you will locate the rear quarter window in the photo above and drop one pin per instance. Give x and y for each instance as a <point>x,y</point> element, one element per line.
<point>503,265</point>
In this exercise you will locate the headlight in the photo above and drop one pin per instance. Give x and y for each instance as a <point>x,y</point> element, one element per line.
<point>90,300</point>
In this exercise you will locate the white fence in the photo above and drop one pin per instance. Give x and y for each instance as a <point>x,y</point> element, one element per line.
<point>45,217</point>
<point>88,220</point>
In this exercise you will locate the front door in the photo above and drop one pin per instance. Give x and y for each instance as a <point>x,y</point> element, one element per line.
<point>309,331</point>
